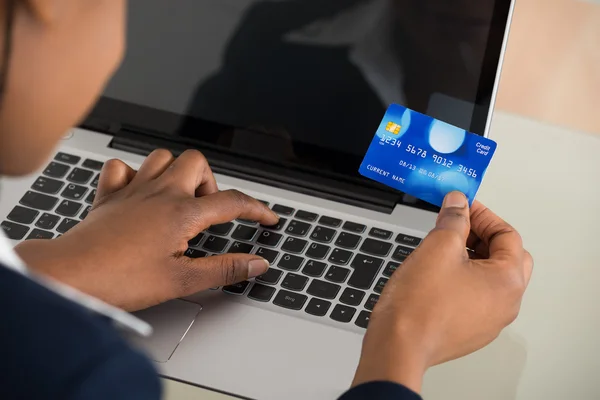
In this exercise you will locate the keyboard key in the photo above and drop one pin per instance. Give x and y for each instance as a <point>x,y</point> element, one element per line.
<point>323,289</point>
<point>318,251</point>
<point>14,231</point>
<point>95,181</point>
<point>330,221</point>
<point>291,300</point>
<point>283,210</point>
<point>22,215</point>
<point>246,221</point>
<point>366,269</point>
<point>380,233</point>
<point>221,229</point>
<point>390,268</point>
<point>339,256</point>
<point>348,240</point>
<point>270,239</point>
<point>376,247</point>
<point>40,234</point>
<point>342,313</point>
<point>93,164</point>
<point>47,221</point>
<point>352,297</point>
<point>195,241</point>
<point>79,175</point>
<point>267,254</point>
<point>74,192</point>
<point>322,234</point>
<point>215,244</point>
<point>261,292</point>
<point>243,232</point>
<point>408,240</point>
<point>337,274</point>
<point>38,201</point>
<point>294,282</point>
<point>47,185</point>
<point>401,253</point>
<point>298,228</point>
<point>56,170</point>
<point>67,158</point>
<point>317,307</point>
<point>278,226</point>
<point>193,253</point>
<point>271,277</point>
<point>314,268</point>
<point>294,245</point>
<point>91,197</point>
<point>306,216</point>
<point>380,285</point>
<point>237,288</point>
<point>371,301</point>
<point>66,225</point>
<point>290,262</point>
<point>363,319</point>
<point>68,208</point>
<point>241,248</point>
<point>354,227</point>
<point>85,213</point>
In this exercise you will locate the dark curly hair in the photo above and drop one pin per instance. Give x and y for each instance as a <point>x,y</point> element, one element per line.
<point>8,29</point>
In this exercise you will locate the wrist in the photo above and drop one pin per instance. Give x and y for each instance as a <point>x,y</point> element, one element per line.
<point>396,355</point>
<point>47,257</point>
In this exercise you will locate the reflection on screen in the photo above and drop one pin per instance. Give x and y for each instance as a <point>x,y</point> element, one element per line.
<point>320,72</point>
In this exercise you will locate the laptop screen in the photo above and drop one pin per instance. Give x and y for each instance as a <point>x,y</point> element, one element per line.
<point>304,82</point>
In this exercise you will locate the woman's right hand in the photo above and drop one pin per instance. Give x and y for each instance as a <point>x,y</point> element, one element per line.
<point>445,302</point>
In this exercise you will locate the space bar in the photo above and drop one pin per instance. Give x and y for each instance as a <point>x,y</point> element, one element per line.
<point>366,269</point>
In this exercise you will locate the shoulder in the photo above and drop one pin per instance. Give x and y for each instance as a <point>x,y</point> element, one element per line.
<point>58,348</point>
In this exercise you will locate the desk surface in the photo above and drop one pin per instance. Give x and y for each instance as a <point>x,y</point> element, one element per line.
<point>546,182</point>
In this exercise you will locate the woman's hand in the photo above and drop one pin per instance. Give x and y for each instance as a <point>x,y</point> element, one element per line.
<point>130,249</point>
<point>445,302</point>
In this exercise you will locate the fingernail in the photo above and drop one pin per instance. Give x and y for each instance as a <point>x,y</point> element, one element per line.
<point>455,200</point>
<point>257,267</point>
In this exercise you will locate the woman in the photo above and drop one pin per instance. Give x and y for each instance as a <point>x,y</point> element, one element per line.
<point>443,303</point>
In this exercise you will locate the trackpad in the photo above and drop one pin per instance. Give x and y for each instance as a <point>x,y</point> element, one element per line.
<point>170,321</point>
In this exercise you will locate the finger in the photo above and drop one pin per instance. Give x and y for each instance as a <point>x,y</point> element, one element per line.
<point>454,215</point>
<point>115,175</point>
<point>227,269</point>
<point>154,165</point>
<point>502,240</point>
<point>228,205</point>
<point>528,267</point>
<point>192,173</point>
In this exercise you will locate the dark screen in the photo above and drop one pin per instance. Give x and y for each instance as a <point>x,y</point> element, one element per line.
<point>308,81</point>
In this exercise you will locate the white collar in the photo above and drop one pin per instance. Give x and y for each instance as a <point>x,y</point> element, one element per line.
<point>11,260</point>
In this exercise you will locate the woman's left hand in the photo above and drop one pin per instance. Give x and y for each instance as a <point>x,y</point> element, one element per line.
<point>130,250</point>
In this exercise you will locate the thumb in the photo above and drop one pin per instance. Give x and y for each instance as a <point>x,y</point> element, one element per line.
<point>454,215</point>
<point>227,269</point>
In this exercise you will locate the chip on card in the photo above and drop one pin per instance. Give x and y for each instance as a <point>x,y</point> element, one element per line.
<point>426,158</point>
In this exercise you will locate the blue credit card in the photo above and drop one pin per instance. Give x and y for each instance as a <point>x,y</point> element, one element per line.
<point>426,158</point>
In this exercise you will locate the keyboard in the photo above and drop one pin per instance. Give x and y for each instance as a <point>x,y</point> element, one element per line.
<point>57,201</point>
<point>321,265</point>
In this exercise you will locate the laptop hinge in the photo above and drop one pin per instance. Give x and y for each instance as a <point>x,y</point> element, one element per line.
<point>249,168</point>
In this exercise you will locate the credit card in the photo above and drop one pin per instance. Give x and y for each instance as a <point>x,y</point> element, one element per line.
<point>425,157</point>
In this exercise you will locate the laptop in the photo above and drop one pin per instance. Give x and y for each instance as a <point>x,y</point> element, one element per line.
<point>283,98</point>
